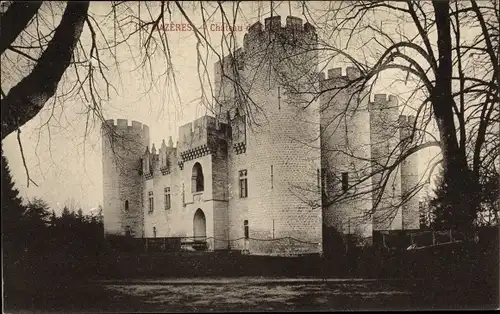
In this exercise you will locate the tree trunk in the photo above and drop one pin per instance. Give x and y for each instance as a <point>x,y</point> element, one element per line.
<point>458,179</point>
<point>27,98</point>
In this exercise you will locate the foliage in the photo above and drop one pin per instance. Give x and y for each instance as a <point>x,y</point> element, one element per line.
<point>442,210</point>
<point>12,208</point>
<point>33,233</point>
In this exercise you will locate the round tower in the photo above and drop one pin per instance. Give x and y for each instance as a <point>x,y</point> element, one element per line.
<point>123,146</point>
<point>345,157</point>
<point>409,175</point>
<point>276,75</point>
<point>385,137</point>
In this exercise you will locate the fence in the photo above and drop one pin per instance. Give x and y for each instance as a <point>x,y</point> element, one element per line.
<point>281,246</point>
<point>289,246</point>
<point>414,240</point>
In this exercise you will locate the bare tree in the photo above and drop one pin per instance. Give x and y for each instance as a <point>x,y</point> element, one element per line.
<point>47,61</point>
<point>446,53</point>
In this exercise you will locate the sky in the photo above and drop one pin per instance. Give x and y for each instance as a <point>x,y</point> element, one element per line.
<point>66,164</point>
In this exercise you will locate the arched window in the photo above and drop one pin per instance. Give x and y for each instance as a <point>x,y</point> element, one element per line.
<point>126,205</point>
<point>197,181</point>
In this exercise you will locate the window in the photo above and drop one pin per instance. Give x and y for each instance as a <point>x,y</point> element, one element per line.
<point>128,233</point>
<point>126,205</point>
<point>154,232</point>
<point>345,181</point>
<point>167,198</point>
<point>272,177</point>
<point>245,226</point>
<point>197,181</point>
<point>243,184</point>
<point>183,196</point>
<point>151,201</point>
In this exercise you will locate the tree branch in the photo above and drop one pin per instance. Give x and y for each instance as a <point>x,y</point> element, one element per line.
<point>27,98</point>
<point>15,20</point>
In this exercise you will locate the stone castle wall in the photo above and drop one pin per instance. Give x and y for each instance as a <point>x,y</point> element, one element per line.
<point>291,146</point>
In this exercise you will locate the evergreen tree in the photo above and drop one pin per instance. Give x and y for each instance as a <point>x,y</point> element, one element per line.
<point>53,219</point>
<point>79,215</point>
<point>36,221</point>
<point>490,200</point>
<point>37,213</point>
<point>445,216</point>
<point>441,207</point>
<point>10,195</point>
<point>65,212</point>
<point>12,211</point>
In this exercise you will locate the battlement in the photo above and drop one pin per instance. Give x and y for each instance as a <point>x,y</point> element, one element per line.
<point>293,28</point>
<point>382,101</point>
<point>406,122</point>
<point>123,125</point>
<point>228,63</point>
<point>351,73</point>
<point>270,37</point>
<point>199,132</point>
<point>274,23</point>
<point>254,36</point>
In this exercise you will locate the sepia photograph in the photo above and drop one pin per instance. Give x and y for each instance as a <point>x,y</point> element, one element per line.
<point>250,156</point>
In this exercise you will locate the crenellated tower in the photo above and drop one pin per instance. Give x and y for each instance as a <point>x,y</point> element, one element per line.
<point>122,148</point>
<point>385,149</point>
<point>409,174</point>
<point>345,153</point>
<point>268,103</point>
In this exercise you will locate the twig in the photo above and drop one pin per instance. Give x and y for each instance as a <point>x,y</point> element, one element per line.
<point>24,159</point>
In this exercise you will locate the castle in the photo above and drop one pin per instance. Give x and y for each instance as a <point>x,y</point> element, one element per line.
<point>259,176</point>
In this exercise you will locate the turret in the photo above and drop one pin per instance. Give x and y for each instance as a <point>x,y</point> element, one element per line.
<point>122,147</point>
<point>345,142</point>
<point>276,72</point>
<point>385,150</point>
<point>409,174</point>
